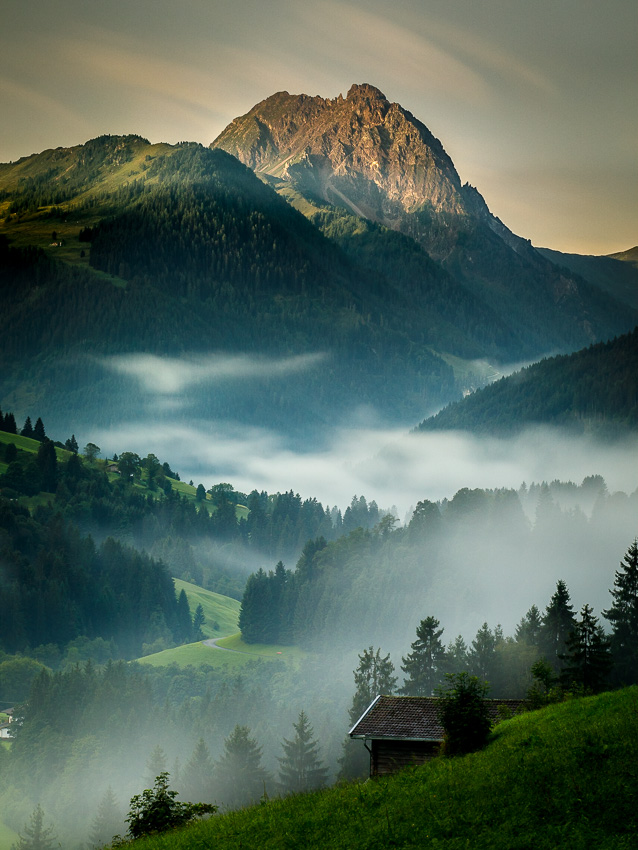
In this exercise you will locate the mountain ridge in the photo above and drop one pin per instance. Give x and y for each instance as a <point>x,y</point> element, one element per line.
<point>375,160</point>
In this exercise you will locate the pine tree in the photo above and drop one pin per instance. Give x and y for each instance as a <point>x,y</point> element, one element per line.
<point>36,835</point>
<point>373,676</point>
<point>71,444</point>
<point>47,463</point>
<point>197,775</point>
<point>184,622</point>
<point>38,430</point>
<point>198,621</point>
<point>300,767</point>
<point>482,657</point>
<point>623,615</point>
<point>558,623</point>
<point>27,430</point>
<point>155,764</point>
<point>108,821</point>
<point>240,778</point>
<point>587,661</point>
<point>424,665</point>
<point>529,629</point>
<point>456,656</point>
<point>10,424</point>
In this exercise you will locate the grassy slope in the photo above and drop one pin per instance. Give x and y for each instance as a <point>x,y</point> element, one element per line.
<point>197,654</point>
<point>564,777</point>
<point>219,610</point>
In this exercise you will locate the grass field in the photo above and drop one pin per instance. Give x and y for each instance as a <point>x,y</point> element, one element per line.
<point>197,654</point>
<point>220,611</point>
<point>561,778</point>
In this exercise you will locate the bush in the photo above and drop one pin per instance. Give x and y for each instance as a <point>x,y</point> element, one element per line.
<point>156,810</point>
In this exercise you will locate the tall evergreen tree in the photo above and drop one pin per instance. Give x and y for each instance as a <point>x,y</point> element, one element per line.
<point>155,764</point>
<point>27,429</point>
<point>108,821</point>
<point>36,836</point>
<point>10,424</point>
<point>198,621</point>
<point>47,463</point>
<point>456,660</point>
<point>529,629</point>
<point>482,657</point>
<point>373,676</point>
<point>240,777</point>
<point>587,661</point>
<point>558,623</point>
<point>38,430</point>
<point>197,775</point>
<point>424,666</point>
<point>184,621</point>
<point>300,766</point>
<point>623,616</point>
<point>72,444</point>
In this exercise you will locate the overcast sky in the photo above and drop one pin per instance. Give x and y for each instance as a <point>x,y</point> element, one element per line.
<point>535,100</point>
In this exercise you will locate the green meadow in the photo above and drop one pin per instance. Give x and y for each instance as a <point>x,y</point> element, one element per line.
<point>563,777</point>
<point>230,652</point>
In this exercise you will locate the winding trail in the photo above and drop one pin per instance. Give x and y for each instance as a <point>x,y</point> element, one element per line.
<point>214,644</point>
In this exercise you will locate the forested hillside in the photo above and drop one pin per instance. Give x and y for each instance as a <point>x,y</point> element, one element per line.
<point>227,267</point>
<point>593,390</point>
<point>119,248</point>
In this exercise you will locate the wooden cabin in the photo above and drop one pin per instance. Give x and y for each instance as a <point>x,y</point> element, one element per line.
<point>402,732</point>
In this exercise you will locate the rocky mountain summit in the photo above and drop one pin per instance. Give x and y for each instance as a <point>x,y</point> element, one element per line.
<point>365,157</point>
<point>360,151</point>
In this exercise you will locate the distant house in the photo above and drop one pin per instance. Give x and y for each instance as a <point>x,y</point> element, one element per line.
<point>401,732</point>
<point>5,728</point>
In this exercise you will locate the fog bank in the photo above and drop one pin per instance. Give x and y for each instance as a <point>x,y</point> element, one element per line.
<point>387,465</point>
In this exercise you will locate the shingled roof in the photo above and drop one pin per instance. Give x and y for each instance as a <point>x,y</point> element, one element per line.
<point>413,718</point>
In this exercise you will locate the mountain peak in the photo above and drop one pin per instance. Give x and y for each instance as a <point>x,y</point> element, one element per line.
<point>365,90</point>
<point>362,152</point>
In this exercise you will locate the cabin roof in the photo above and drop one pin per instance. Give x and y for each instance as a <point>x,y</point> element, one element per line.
<point>413,718</point>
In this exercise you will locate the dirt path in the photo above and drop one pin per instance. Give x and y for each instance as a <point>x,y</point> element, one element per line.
<point>213,643</point>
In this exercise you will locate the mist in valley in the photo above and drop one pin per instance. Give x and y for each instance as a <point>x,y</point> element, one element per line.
<point>512,517</point>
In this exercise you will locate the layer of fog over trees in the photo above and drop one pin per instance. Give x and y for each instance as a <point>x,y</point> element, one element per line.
<point>489,562</point>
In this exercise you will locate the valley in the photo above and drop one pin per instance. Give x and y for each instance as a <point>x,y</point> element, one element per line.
<point>227,517</point>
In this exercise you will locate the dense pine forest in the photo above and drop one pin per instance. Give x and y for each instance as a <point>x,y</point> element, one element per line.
<point>593,390</point>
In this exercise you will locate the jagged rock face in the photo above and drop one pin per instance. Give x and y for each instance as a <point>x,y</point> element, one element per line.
<point>361,151</point>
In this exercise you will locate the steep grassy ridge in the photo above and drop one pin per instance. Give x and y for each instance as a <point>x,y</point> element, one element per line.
<point>564,777</point>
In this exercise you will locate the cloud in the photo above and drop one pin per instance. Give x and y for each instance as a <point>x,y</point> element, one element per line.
<point>377,41</point>
<point>171,375</point>
<point>389,466</point>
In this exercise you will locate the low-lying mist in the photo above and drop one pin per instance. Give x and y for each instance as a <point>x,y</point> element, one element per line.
<point>391,466</point>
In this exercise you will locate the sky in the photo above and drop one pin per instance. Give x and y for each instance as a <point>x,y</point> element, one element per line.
<point>534,100</point>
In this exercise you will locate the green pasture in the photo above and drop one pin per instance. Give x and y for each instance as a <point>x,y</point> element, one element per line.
<point>220,611</point>
<point>240,654</point>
